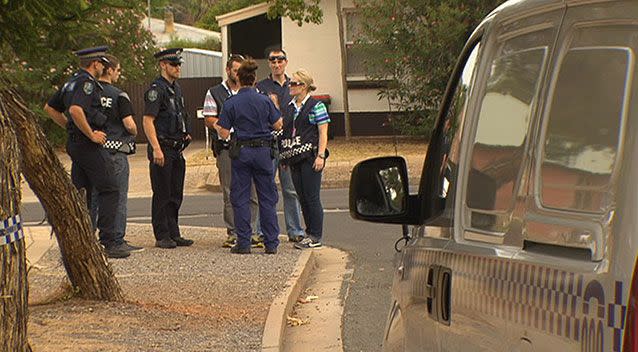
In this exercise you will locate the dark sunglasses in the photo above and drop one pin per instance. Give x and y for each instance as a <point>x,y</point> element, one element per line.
<point>175,64</point>
<point>277,58</point>
<point>296,84</point>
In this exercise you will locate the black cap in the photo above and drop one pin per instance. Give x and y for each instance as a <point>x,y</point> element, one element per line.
<point>97,53</point>
<point>173,55</point>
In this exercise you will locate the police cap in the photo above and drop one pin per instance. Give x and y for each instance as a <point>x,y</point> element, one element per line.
<point>97,53</point>
<point>172,55</point>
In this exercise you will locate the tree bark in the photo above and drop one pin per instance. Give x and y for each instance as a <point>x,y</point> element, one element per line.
<point>13,265</point>
<point>83,257</point>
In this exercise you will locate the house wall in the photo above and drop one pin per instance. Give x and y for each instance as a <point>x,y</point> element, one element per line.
<point>317,49</point>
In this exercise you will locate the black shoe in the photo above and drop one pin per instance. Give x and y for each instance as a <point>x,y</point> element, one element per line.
<point>239,250</point>
<point>165,243</point>
<point>117,251</point>
<point>183,242</point>
<point>133,249</point>
<point>271,250</point>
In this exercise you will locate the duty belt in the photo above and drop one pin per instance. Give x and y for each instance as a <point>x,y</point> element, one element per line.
<point>255,143</point>
<point>118,146</point>
<point>173,143</point>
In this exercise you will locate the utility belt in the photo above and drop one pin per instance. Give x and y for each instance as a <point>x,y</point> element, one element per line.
<point>127,148</point>
<point>235,146</point>
<point>219,146</point>
<point>175,144</point>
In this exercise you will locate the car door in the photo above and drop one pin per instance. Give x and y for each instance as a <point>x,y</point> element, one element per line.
<point>493,177</point>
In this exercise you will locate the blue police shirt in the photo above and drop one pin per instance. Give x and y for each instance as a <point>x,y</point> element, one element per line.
<point>269,86</point>
<point>251,115</point>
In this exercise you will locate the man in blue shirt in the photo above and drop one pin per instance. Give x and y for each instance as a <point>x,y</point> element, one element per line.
<point>277,84</point>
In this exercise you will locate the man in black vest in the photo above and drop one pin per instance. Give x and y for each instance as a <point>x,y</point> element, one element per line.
<point>213,105</point>
<point>77,107</point>
<point>167,128</point>
<point>120,131</point>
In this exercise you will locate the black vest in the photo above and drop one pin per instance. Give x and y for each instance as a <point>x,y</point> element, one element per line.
<point>305,142</point>
<point>172,120</point>
<point>94,115</point>
<point>117,137</point>
<point>220,95</point>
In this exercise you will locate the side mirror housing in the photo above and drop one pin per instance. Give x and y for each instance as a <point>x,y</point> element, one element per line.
<point>380,192</point>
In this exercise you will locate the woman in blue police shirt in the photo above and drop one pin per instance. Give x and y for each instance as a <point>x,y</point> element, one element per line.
<point>253,116</point>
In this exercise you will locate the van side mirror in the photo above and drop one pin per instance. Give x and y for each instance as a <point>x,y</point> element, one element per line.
<point>379,191</point>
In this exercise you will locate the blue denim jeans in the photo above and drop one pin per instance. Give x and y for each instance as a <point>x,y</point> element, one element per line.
<point>292,208</point>
<point>308,185</point>
<point>121,170</point>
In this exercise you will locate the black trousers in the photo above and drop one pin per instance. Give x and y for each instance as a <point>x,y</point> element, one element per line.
<point>167,183</point>
<point>93,168</point>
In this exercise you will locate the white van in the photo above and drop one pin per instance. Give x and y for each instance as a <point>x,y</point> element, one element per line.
<point>526,219</point>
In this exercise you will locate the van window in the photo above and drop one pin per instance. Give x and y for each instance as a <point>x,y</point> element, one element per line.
<point>582,136</point>
<point>499,142</point>
<point>451,142</point>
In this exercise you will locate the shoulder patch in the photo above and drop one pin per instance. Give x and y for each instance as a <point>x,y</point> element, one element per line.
<point>125,96</point>
<point>88,87</point>
<point>152,95</point>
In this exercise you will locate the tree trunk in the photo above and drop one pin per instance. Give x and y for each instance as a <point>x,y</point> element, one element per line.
<point>83,257</point>
<point>13,265</point>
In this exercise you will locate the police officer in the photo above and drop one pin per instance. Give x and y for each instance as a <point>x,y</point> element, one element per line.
<point>252,116</point>
<point>167,128</point>
<point>76,106</point>
<point>120,131</point>
<point>213,104</point>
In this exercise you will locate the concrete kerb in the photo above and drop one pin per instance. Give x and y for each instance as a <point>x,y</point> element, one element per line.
<point>281,307</point>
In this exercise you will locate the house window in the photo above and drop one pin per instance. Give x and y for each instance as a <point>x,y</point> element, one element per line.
<point>354,55</point>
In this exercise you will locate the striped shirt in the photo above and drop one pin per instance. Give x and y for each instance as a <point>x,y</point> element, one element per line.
<point>210,106</point>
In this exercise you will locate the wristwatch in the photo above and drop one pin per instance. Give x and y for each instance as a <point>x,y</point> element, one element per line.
<point>322,155</point>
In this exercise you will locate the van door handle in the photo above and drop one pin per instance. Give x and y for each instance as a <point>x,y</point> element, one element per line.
<point>445,295</point>
<point>431,291</point>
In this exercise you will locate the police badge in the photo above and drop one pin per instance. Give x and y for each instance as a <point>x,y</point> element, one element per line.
<point>152,95</point>
<point>88,88</point>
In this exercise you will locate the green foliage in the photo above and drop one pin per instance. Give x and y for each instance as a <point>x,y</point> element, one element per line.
<point>298,10</point>
<point>211,43</point>
<point>414,44</point>
<point>37,38</point>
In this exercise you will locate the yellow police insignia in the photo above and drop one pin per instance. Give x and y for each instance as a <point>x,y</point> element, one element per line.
<point>88,88</point>
<point>152,95</point>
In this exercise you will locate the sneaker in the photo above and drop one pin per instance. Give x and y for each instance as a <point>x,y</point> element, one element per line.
<point>308,243</point>
<point>230,241</point>
<point>257,241</point>
<point>133,249</point>
<point>183,242</point>
<point>271,250</point>
<point>296,238</point>
<point>166,243</point>
<point>239,250</point>
<point>117,251</point>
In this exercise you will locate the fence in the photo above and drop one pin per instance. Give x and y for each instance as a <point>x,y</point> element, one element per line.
<point>194,90</point>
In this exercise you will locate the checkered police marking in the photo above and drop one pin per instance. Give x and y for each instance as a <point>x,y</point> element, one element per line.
<point>554,301</point>
<point>296,151</point>
<point>11,230</point>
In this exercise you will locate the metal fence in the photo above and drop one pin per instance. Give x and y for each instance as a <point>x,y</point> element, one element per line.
<point>194,90</point>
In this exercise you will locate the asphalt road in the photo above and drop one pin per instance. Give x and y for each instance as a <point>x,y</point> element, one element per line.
<point>371,249</point>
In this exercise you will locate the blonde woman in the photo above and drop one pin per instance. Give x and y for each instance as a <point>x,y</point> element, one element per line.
<point>303,148</point>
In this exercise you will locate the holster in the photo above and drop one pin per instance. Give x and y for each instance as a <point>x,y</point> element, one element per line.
<point>233,148</point>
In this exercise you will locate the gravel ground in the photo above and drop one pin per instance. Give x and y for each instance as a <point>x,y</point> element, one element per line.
<point>199,298</point>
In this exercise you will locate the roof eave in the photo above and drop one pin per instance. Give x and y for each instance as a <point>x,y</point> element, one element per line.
<point>242,14</point>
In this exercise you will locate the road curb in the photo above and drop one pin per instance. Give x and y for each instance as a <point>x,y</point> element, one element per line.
<point>283,303</point>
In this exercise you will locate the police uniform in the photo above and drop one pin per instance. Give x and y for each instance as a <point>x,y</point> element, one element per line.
<point>120,144</point>
<point>251,115</point>
<point>216,96</point>
<point>164,101</point>
<point>292,208</point>
<point>92,167</point>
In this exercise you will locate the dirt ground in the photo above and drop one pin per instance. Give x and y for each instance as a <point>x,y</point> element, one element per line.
<point>199,298</point>
<point>192,299</point>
